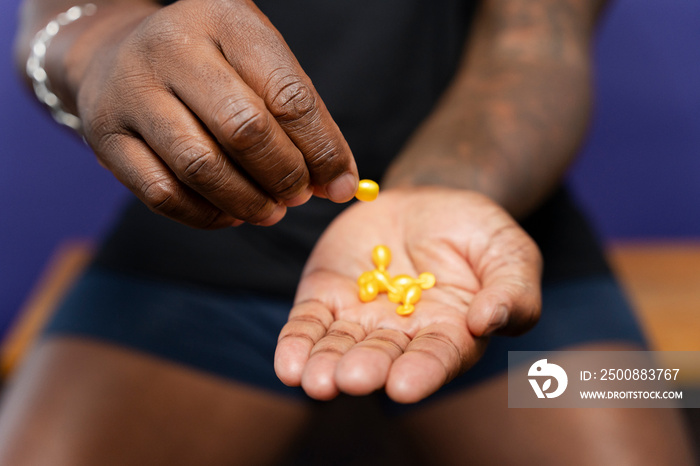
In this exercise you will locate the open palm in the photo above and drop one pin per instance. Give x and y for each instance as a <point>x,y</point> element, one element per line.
<point>487,270</point>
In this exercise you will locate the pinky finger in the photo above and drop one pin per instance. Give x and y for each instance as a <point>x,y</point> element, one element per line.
<point>138,168</point>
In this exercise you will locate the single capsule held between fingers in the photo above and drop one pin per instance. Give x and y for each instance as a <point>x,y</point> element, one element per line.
<point>367,191</point>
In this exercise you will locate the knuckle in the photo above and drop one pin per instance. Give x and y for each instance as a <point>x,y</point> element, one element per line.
<point>227,15</point>
<point>293,101</point>
<point>160,194</point>
<point>196,165</point>
<point>325,160</point>
<point>290,184</point>
<point>255,209</point>
<point>102,121</point>
<point>243,125</point>
<point>105,142</point>
<point>102,139</point>
<point>161,31</point>
<point>117,102</point>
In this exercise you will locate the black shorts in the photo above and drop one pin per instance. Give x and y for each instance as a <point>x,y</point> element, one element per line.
<point>144,302</point>
<point>234,335</point>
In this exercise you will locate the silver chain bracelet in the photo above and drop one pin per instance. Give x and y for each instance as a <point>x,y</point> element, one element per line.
<point>35,64</point>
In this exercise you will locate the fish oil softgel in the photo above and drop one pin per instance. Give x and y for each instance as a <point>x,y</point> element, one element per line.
<point>401,289</point>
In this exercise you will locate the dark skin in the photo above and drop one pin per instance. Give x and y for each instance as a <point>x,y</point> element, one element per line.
<point>199,108</point>
<point>487,273</point>
<point>138,77</point>
<point>526,83</point>
<point>491,150</point>
<point>502,129</point>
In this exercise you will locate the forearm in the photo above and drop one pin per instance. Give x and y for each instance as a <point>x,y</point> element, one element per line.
<point>72,49</point>
<point>515,115</point>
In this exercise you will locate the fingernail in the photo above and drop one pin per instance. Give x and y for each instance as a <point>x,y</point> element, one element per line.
<point>499,318</point>
<point>343,188</point>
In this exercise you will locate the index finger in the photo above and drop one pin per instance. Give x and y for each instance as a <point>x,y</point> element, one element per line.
<point>275,75</point>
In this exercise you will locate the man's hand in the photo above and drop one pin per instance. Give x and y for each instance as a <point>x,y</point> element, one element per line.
<point>488,279</point>
<point>201,109</point>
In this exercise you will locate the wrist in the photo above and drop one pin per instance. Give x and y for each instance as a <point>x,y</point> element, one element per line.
<point>73,53</point>
<point>36,63</point>
<point>55,48</point>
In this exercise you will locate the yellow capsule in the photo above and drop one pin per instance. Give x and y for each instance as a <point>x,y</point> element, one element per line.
<point>368,292</point>
<point>412,294</point>
<point>383,280</point>
<point>366,277</point>
<point>410,298</point>
<point>368,286</point>
<point>367,190</point>
<point>398,286</point>
<point>401,289</point>
<point>405,309</point>
<point>426,280</point>
<point>381,256</point>
<point>403,281</point>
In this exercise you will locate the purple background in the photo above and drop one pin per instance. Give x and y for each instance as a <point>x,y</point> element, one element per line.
<point>638,175</point>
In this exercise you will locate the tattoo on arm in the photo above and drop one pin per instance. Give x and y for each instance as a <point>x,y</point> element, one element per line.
<point>515,114</point>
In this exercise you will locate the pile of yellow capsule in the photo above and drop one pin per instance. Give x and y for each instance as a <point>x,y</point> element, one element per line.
<point>402,289</point>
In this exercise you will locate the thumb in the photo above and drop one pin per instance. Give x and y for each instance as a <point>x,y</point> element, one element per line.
<point>509,303</point>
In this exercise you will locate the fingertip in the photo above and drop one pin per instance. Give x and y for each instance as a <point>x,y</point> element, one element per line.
<point>361,372</point>
<point>402,393</point>
<point>498,319</point>
<point>222,220</point>
<point>489,320</point>
<point>320,192</point>
<point>301,198</point>
<point>500,310</point>
<point>319,385</point>
<point>288,366</point>
<point>277,215</point>
<point>318,378</point>
<point>287,378</point>
<point>343,188</point>
<point>414,377</point>
<point>354,383</point>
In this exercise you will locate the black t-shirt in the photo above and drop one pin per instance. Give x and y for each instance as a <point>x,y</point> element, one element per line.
<point>380,66</point>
